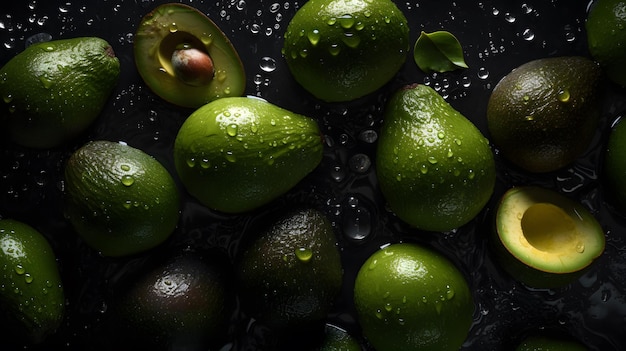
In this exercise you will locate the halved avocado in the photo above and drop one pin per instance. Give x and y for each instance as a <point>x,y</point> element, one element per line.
<point>543,238</point>
<point>174,29</point>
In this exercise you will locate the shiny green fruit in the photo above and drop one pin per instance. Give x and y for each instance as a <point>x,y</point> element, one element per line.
<point>236,154</point>
<point>291,273</point>
<point>606,37</point>
<point>32,299</point>
<point>120,200</point>
<point>53,91</point>
<point>408,297</point>
<point>435,168</point>
<point>340,50</point>
<point>543,115</point>
<point>614,167</point>
<point>185,58</point>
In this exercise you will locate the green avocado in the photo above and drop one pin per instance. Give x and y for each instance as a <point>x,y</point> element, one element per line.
<point>606,37</point>
<point>614,167</point>
<point>32,300</point>
<point>435,168</point>
<point>341,50</point>
<point>236,154</point>
<point>185,58</point>
<point>291,273</point>
<point>543,238</point>
<point>52,91</point>
<point>543,115</point>
<point>120,200</point>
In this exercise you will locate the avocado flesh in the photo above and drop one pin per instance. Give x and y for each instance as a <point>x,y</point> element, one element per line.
<point>544,238</point>
<point>171,26</point>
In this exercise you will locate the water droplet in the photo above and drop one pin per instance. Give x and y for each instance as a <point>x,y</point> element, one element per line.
<point>528,34</point>
<point>432,160</point>
<point>563,95</point>
<point>372,265</point>
<point>128,204</point>
<point>346,21</point>
<point>509,18</point>
<point>231,129</point>
<point>580,247</point>
<point>351,40</point>
<point>191,162</point>
<point>19,269</point>
<point>267,64</point>
<point>304,254</point>
<point>173,27</point>
<point>334,49</point>
<point>128,180</point>
<point>360,163</point>
<point>125,167</point>
<point>483,73</point>
<point>424,169</point>
<point>230,157</point>
<point>388,307</point>
<point>28,278</point>
<point>314,37</point>
<point>529,118</point>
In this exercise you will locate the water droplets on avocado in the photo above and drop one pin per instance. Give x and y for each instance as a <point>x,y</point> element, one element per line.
<point>304,254</point>
<point>128,180</point>
<point>314,37</point>
<point>563,95</point>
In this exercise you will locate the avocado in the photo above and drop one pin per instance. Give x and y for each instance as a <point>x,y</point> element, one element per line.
<point>435,168</point>
<point>185,58</point>
<point>290,274</point>
<point>614,167</point>
<point>53,91</point>
<point>338,339</point>
<point>182,303</point>
<point>120,200</point>
<point>32,299</point>
<point>544,239</point>
<point>543,115</point>
<point>341,50</point>
<point>236,154</point>
<point>606,37</point>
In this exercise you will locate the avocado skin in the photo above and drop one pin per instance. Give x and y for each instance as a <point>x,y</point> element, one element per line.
<point>53,91</point>
<point>435,168</point>
<point>115,219</point>
<point>530,125</point>
<point>236,154</point>
<point>180,302</point>
<point>281,290</point>
<point>32,310</point>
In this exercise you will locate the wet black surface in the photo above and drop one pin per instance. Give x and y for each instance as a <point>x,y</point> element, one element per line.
<point>497,36</point>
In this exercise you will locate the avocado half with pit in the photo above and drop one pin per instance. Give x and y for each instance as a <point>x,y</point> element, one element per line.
<point>543,238</point>
<point>185,58</point>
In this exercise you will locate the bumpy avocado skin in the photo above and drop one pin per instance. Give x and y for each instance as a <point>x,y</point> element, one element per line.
<point>53,91</point>
<point>32,299</point>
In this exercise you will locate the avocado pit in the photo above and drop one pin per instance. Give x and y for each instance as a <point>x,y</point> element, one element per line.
<point>192,66</point>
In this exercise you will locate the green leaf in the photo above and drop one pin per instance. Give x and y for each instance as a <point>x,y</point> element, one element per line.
<point>438,52</point>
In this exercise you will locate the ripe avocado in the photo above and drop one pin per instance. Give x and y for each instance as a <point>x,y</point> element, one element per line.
<point>120,200</point>
<point>614,167</point>
<point>32,300</point>
<point>543,238</point>
<point>340,50</point>
<point>236,154</point>
<point>290,274</point>
<point>52,91</point>
<point>606,37</point>
<point>183,303</point>
<point>435,168</point>
<point>544,113</point>
<point>185,58</point>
